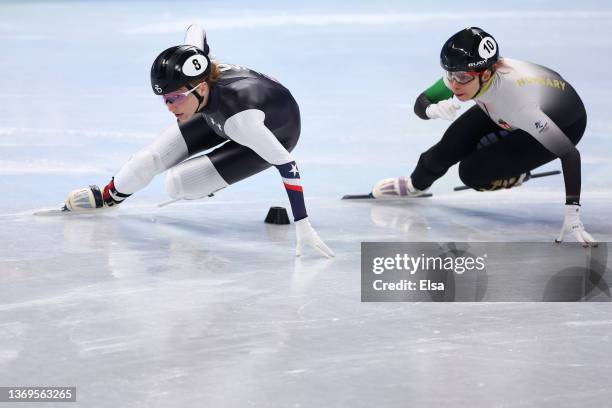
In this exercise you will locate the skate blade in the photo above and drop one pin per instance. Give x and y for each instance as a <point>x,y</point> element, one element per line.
<point>65,211</point>
<point>371,197</point>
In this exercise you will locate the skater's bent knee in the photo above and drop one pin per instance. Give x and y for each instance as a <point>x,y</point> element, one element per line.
<point>193,179</point>
<point>468,175</point>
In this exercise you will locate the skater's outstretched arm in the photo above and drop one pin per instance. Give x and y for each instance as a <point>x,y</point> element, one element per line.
<point>248,128</point>
<point>168,149</point>
<point>539,125</point>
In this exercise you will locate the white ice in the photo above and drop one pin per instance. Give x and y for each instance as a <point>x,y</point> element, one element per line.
<point>201,303</point>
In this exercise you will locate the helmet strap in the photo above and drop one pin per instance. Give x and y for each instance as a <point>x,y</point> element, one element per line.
<point>199,97</point>
<point>482,83</point>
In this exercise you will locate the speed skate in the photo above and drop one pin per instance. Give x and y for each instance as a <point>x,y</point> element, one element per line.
<point>63,210</point>
<point>369,196</point>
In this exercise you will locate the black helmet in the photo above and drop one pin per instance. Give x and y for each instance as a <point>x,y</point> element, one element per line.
<point>471,49</point>
<point>178,66</point>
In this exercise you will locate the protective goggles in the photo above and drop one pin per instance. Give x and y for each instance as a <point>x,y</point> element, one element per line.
<point>462,77</point>
<point>177,98</point>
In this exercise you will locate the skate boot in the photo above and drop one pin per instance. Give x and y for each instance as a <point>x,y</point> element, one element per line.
<point>396,188</point>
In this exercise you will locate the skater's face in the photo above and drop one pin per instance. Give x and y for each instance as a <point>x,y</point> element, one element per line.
<point>183,103</point>
<point>466,85</point>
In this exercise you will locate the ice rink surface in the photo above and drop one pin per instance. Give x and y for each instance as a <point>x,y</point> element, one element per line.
<point>201,304</point>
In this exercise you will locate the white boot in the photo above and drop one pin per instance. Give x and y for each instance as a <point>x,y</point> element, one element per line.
<point>395,187</point>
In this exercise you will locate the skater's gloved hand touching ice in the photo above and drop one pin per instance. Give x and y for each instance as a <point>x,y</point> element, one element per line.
<point>306,235</point>
<point>92,197</point>
<point>86,198</point>
<point>573,225</point>
<point>446,109</point>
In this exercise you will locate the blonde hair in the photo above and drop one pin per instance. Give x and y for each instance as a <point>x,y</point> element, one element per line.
<point>500,64</point>
<point>215,73</point>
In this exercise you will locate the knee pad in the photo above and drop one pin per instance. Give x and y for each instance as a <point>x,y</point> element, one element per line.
<point>193,179</point>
